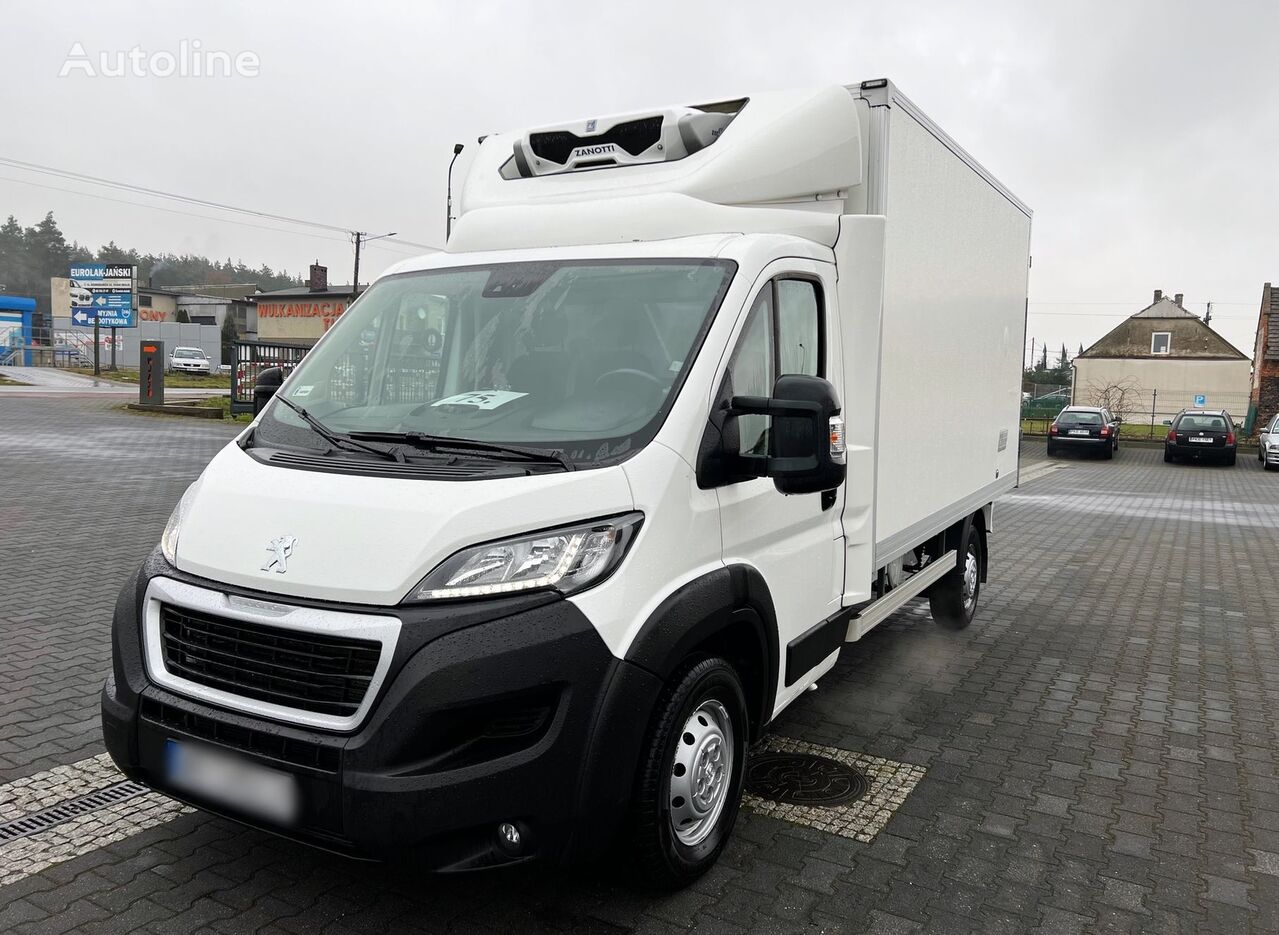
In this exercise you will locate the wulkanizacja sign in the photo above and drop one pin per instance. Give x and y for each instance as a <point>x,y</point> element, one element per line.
<point>327,311</point>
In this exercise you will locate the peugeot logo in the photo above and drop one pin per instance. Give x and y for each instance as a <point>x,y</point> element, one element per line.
<point>281,547</point>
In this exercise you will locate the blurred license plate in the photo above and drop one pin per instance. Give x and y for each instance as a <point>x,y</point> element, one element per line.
<point>226,779</point>
<point>1200,441</point>
<point>1079,432</point>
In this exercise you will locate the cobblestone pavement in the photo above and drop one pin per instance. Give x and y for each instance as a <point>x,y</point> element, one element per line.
<point>1099,749</point>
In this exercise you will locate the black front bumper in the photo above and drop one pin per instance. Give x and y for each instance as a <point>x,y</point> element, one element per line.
<point>509,710</point>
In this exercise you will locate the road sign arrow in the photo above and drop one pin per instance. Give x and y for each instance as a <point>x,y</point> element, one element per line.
<point>81,317</point>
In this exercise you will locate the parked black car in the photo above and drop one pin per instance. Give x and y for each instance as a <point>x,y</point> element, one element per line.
<point>1201,434</point>
<point>1084,428</point>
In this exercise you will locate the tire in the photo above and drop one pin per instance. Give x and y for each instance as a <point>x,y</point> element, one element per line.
<point>1051,450</point>
<point>1269,467</point>
<point>1168,457</point>
<point>953,599</point>
<point>674,841</point>
<point>1110,453</point>
<point>1231,458</point>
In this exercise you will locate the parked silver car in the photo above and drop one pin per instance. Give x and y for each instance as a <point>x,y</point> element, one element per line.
<point>189,360</point>
<point>1268,445</point>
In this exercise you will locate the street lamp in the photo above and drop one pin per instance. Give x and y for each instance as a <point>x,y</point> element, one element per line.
<point>448,208</point>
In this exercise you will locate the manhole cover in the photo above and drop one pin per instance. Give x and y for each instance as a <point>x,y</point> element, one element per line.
<point>804,779</point>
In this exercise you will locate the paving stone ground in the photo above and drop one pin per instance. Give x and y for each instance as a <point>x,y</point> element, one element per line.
<point>1100,746</point>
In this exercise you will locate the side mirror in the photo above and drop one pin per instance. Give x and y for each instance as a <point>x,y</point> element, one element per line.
<point>805,438</point>
<point>268,382</point>
<point>1119,420</point>
<point>1167,421</point>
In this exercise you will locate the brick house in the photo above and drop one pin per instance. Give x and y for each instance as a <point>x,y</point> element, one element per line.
<point>1164,359</point>
<point>1265,357</point>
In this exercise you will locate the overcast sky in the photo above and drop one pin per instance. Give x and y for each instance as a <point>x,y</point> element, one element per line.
<point>1144,135</point>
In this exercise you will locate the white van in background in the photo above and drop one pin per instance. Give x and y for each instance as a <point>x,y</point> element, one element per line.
<point>548,527</point>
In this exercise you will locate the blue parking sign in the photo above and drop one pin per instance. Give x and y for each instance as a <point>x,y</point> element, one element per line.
<point>1201,400</point>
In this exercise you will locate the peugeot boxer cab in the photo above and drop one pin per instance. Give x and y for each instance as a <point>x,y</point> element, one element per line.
<point>539,538</point>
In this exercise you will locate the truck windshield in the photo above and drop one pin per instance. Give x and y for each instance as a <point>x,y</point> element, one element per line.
<point>580,357</point>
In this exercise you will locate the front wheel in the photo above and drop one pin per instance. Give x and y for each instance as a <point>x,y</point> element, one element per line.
<point>689,786</point>
<point>953,599</point>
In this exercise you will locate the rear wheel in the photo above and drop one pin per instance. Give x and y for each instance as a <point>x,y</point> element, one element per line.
<point>953,599</point>
<point>1051,450</point>
<point>690,778</point>
<point>1109,452</point>
<point>1168,457</point>
<point>1230,458</point>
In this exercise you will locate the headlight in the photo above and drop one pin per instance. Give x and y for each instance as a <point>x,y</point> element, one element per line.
<point>169,538</point>
<point>567,559</point>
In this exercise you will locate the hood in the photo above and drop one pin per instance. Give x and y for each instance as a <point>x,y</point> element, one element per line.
<point>366,540</point>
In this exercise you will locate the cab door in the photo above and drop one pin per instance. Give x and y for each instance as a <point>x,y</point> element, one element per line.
<point>794,542</point>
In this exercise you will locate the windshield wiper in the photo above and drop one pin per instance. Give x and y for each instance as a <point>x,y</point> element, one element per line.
<point>445,443</point>
<point>337,439</point>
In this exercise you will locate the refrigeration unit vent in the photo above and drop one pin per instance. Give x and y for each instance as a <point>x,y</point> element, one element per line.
<point>626,140</point>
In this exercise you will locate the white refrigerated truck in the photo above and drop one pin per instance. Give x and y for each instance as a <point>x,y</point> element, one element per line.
<point>551,525</point>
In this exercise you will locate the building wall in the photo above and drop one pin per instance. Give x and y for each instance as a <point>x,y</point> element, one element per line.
<point>1265,379</point>
<point>1226,383</point>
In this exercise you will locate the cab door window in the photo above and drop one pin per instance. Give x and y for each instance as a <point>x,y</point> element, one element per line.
<point>783,334</point>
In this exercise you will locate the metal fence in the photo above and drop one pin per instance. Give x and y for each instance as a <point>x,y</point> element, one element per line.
<point>1148,421</point>
<point>250,359</point>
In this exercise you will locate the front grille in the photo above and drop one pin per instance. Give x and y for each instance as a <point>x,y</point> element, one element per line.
<point>308,671</point>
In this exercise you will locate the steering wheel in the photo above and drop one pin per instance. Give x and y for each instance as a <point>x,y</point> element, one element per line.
<point>629,372</point>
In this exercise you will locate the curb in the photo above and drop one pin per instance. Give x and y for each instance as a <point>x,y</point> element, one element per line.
<point>177,409</point>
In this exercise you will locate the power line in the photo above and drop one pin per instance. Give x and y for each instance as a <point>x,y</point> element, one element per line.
<point>1111,315</point>
<point>186,199</point>
<point>189,214</point>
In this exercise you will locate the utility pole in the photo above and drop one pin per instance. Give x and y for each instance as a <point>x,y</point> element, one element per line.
<point>1208,314</point>
<point>362,236</point>
<point>97,345</point>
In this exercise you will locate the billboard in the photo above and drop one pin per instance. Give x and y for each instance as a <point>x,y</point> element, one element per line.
<point>104,292</point>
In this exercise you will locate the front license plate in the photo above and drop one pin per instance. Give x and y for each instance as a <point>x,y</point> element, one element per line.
<point>1079,432</point>
<point>1200,441</point>
<point>225,779</point>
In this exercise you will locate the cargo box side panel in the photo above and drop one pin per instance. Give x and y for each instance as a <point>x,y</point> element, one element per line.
<point>956,261</point>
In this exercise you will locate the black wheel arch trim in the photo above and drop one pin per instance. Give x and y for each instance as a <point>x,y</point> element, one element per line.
<point>733,598</point>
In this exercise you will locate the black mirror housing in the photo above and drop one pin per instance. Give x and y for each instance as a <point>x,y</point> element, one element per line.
<point>800,457</point>
<point>268,382</point>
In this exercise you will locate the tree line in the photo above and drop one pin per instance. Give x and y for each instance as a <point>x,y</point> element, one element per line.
<point>1058,371</point>
<point>29,256</point>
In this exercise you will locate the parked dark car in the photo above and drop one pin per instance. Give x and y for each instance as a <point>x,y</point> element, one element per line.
<point>1201,434</point>
<point>1084,428</point>
<point>1268,445</point>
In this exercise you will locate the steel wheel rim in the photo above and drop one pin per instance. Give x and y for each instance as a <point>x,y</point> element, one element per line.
<point>970,578</point>
<point>701,772</point>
